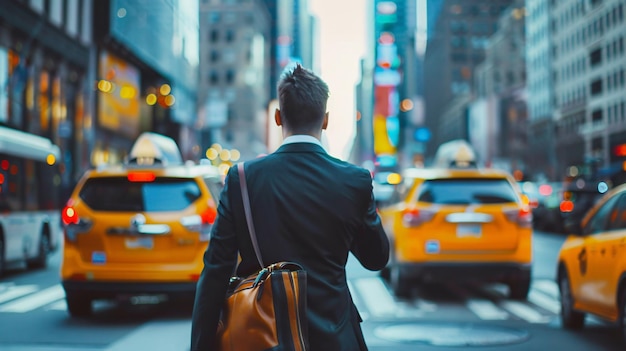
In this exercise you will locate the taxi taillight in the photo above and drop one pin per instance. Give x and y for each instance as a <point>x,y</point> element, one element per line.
<point>523,216</point>
<point>141,177</point>
<point>69,215</point>
<point>208,216</point>
<point>566,206</point>
<point>412,217</point>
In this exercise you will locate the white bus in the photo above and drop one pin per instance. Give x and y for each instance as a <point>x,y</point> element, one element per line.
<point>29,199</point>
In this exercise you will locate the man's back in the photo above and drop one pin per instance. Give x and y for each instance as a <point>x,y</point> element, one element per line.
<point>308,208</point>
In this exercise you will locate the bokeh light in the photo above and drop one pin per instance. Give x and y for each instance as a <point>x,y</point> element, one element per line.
<point>51,159</point>
<point>151,99</point>
<point>165,89</point>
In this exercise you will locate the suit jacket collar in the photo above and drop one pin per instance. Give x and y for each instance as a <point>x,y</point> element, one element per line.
<point>301,147</point>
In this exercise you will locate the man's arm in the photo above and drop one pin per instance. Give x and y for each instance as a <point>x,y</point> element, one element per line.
<point>371,245</point>
<point>219,263</point>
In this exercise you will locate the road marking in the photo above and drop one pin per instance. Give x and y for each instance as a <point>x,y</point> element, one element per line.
<point>16,291</point>
<point>546,302</point>
<point>35,301</point>
<point>547,286</point>
<point>60,305</point>
<point>376,296</point>
<point>486,309</point>
<point>525,312</point>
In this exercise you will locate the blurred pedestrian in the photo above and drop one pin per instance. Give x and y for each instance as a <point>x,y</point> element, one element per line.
<point>308,208</point>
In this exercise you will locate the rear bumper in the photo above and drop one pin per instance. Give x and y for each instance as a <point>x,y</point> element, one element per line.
<point>465,272</point>
<point>112,289</point>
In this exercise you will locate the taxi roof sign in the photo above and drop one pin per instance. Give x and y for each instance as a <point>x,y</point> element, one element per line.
<point>154,149</point>
<point>456,154</point>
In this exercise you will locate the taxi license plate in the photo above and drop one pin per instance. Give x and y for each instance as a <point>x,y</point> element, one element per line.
<point>139,243</point>
<point>463,230</point>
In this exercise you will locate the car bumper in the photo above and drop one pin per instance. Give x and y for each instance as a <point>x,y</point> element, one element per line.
<point>465,272</point>
<point>114,289</point>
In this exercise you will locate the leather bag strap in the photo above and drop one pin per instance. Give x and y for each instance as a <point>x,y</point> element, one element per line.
<point>248,211</point>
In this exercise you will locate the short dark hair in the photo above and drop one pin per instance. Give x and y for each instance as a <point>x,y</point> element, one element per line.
<point>302,97</point>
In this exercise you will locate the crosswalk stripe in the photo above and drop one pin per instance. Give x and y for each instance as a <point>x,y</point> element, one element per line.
<point>545,302</point>
<point>16,291</point>
<point>525,312</point>
<point>486,309</point>
<point>60,305</point>
<point>547,286</point>
<point>376,296</point>
<point>35,301</point>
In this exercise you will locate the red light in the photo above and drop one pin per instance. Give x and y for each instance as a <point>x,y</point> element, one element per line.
<point>194,277</point>
<point>208,216</point>
<point>69,215</point>
<point>567,206</point>
<point>385,64</point>
<point>545,190</point>
<point>620,150</point>
<point>13,170</point>
<point>141,176</point>
<point>386,38</point>
<point>1,178</point>
<point>4,164</point>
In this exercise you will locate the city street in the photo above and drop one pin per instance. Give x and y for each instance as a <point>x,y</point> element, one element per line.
<point>33,316</point>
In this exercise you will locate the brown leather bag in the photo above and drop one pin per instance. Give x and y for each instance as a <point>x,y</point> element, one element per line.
<point>266,310</point>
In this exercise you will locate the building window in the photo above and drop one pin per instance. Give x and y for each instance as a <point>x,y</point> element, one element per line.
<point>215,56</point>
<point>230,35</point>
<point>596,116</point>
<point>214,17</point>
<point>230,76</point>
<point>595,57</point>
<point>596,87</point>
<point>214,35</point>
<point>214,78</point>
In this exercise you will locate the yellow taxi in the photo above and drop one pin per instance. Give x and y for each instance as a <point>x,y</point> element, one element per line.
<point>138,230</point>
<point>592,264</point>
<point>458,222</point>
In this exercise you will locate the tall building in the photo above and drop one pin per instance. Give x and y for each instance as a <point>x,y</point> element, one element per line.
<point>540,90</point>
<point>46,77</point>
<point>497,117</point>
<point>455,48</point>
<point>146,64</point>
<point>590,83</point>
<point>394,79</point>
<point>293,37</point>
<point>234,86</point>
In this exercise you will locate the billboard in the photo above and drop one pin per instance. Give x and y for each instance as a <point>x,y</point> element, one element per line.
<point>118,95</point>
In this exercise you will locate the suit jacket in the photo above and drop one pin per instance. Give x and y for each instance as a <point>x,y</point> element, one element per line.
<point>309,208</point>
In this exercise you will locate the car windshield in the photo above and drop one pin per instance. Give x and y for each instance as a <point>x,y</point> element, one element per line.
<point>118,194</point>
<point>466,191</point>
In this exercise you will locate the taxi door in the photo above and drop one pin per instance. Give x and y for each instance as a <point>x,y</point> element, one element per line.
<point>592,259</point>
<point>610,247</point>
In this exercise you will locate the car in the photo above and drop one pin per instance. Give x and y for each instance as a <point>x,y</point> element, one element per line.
<point>384,186</point>
<point>546,209</point>
<point>577,198</point>
<point>591,271</point>
<point>139,229</point>
<point>459,222</point>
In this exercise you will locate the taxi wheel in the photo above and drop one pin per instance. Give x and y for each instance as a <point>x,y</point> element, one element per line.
<point>570,318</point>
<point>622,317</point>
<point>78,306</point>
<point>400,286</point>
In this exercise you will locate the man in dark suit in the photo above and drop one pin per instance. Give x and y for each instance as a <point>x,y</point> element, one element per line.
<point>307,207</point>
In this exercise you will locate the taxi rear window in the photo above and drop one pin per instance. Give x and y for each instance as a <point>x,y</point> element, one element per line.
<point>118,194</point>
<point>460,191</point>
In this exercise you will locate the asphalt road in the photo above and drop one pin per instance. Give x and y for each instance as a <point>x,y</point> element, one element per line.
<point>33,316</point>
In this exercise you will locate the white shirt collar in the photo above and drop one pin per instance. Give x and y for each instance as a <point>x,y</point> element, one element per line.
<point>300,138</point>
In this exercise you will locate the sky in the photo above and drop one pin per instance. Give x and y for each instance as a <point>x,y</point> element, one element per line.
<point>342,39</point>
